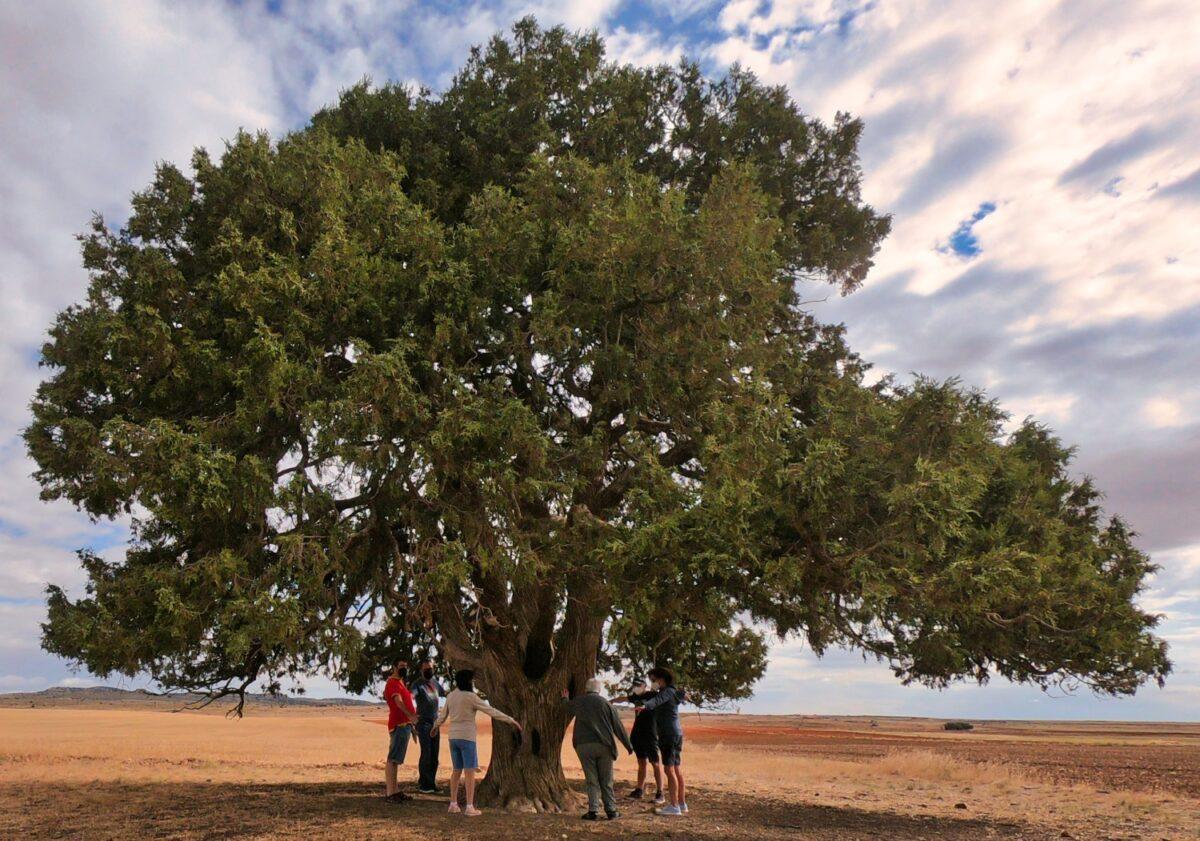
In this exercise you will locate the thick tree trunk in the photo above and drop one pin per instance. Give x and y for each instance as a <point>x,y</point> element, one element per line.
<point>525,774</point>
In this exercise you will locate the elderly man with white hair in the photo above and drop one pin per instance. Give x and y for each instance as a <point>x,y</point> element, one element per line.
<point>598,728</point>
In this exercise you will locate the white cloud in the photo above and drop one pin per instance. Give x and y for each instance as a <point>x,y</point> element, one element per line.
<point>964,106</point>
<point>758,18</point>
<point>1055,408</point>
<point>642,48</point>
<point>89,101</point>
<point>16,620</point>
<point>1164,411</point>
<point>1079,121</point>
<point>21,683</point>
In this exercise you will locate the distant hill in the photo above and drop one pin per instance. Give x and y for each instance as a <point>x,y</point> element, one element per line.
<point>109,696</point>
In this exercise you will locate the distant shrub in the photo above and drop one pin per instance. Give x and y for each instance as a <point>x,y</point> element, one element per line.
<point>958,725</point>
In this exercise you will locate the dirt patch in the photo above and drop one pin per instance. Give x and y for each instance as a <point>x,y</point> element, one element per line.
<point>1159,768</point>
<point>775,734</point>
<point>1141,757</point>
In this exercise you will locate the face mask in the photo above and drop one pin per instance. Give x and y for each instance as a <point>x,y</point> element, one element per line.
<point>428,673</point>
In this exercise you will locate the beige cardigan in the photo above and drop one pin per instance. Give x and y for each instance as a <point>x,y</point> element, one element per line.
<point>460,709</point>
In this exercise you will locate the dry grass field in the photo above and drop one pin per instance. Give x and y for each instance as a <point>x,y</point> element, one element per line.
<point>94,771</point>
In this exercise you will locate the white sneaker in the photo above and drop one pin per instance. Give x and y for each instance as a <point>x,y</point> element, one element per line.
<point>454,810</point>
<point>683,808</point>
<point>668,810</point>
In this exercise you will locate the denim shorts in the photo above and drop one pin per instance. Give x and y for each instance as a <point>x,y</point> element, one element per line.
<point>398,746</point>
<point>463,754</point>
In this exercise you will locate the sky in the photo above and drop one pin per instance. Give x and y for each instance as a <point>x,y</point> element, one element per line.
<point>1041,161</point>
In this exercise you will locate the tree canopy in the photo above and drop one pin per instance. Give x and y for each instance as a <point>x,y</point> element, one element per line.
<point>522,371</point>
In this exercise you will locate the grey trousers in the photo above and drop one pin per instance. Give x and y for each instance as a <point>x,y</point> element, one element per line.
<point>597,762</point>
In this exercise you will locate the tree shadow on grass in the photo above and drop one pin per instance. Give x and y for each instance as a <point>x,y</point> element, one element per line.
<point>341,810</point>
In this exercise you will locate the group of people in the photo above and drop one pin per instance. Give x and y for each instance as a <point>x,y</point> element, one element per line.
<point>416,713</point>
<point>656,740</point>
<point>418,710</point>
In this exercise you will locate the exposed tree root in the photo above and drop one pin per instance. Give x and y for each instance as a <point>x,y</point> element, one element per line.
<point>534,799</point>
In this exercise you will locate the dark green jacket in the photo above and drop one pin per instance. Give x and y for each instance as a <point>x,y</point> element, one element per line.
<point>597,722</point>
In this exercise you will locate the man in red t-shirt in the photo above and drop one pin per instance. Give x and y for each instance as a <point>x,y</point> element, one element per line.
<point>402,714</point>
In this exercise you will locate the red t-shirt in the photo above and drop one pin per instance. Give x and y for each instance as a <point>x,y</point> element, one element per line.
<point>391,689</point>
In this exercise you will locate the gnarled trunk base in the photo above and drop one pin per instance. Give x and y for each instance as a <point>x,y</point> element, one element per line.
<point>525,773</point>
<point>540,790</point>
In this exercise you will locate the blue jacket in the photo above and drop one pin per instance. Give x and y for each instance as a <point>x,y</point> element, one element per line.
<point>665,706</point>
<point>426,694</point>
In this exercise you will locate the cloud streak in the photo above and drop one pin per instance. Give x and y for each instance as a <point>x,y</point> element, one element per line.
<point>1075,297</point>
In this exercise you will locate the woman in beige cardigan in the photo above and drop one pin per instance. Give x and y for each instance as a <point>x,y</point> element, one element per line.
<point>460,708</point>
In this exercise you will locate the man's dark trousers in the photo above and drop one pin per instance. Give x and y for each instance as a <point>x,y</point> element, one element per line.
<point>428,765</point>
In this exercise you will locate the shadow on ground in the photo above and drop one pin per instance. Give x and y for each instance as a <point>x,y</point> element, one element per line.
<point>354,810</point>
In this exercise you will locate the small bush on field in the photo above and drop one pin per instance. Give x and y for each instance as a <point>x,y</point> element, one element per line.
<point>958,725</point>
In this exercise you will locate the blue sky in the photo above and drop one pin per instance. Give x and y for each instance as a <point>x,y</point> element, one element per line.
<point>1042,161</point>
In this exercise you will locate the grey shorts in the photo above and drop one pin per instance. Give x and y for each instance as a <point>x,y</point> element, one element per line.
<point>398,746</point>
<point>671,748</point>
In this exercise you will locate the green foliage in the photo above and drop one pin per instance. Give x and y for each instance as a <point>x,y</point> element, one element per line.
<point>521,371</point>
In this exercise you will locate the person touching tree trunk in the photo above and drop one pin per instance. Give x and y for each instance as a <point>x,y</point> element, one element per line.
<point>460,709</point>
<point>644,737</point>
<point>597,732</point>
<point>664,706</point>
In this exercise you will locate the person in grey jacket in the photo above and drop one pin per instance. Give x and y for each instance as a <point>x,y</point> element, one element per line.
<point>598,728</point>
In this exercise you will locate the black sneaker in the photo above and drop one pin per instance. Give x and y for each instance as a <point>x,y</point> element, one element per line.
<point>612,816</point>
<point>636,794</point>
<point>428,790</point>
<point>589,816</point>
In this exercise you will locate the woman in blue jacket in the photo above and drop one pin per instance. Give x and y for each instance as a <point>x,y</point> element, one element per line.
<point>664,705</point>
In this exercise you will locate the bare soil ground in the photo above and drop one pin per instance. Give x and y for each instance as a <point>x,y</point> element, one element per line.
<point>1134,756</point>
<point>88,771</point>
<point>354,810</point>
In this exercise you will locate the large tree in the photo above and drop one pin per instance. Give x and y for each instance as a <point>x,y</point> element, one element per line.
<point>523,371</point>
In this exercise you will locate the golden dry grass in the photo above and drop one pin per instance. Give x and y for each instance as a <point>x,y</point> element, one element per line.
<point>925,782</point>
<point>119,748</point>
